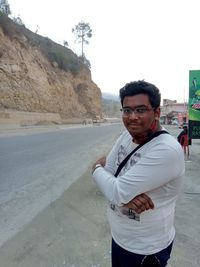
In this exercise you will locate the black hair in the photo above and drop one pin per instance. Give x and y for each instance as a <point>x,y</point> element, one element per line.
<point>141,87</point>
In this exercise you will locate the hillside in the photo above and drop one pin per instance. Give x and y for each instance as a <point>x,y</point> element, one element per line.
<point>39,76</point>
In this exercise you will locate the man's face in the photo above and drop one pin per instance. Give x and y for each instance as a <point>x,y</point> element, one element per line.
<point>140,122</point>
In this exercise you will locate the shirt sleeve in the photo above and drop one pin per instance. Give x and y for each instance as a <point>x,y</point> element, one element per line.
<point>157,167</point>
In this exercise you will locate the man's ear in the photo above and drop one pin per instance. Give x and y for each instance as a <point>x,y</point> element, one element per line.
<point>157,113</point>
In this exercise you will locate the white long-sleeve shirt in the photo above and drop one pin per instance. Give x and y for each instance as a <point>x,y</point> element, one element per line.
<point>157,169</point>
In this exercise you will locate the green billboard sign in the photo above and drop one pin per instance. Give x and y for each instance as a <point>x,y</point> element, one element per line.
<point>194,104</point>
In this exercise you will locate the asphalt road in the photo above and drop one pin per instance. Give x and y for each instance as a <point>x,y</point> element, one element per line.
<point>35,169</point>
<point>72,231</point>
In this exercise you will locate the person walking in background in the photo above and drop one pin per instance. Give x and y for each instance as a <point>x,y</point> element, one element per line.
<point>185,141</point>
<point>142,187</point>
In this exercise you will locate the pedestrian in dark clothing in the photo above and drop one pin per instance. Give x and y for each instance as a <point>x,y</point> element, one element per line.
<point>185,141</point>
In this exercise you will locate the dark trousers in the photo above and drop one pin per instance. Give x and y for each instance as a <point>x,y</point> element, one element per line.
<point>124,258</point>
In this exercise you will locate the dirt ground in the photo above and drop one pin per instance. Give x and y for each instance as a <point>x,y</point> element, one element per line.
<point>73,231</point>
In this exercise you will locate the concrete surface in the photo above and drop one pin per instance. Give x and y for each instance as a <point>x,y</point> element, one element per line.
<point>73,230</point>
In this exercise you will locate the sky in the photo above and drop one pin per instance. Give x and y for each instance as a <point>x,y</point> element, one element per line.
<point>154,40</point>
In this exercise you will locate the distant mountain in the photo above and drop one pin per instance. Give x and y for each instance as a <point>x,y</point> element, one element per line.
<point>111,105</point>
<point>110,96</point>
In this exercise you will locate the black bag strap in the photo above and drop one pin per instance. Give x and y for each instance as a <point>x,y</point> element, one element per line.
<point>121,165</point>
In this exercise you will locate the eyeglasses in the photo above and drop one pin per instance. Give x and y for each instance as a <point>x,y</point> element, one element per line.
<point>139,111</point>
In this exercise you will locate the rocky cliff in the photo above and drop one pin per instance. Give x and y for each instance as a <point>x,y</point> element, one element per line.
<point>32,80</point>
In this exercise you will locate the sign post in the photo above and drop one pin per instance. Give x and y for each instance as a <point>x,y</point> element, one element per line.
<point>194,104</point>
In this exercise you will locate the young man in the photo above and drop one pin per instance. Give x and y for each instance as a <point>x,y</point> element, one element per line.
<point>142,197</point>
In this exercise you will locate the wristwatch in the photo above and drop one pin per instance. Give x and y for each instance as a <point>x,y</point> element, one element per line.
<point>96,166</point>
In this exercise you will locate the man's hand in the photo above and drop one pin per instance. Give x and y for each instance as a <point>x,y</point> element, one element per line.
<point>101,161</point>
<point>140,203</point>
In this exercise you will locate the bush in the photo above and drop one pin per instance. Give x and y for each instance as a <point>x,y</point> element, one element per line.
<point>9,28</point>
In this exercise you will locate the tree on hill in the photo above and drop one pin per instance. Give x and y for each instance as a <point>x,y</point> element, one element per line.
<point>65,43</point>
<point>82,32</point>
<point>18,20</point>
<point>5,7</point>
